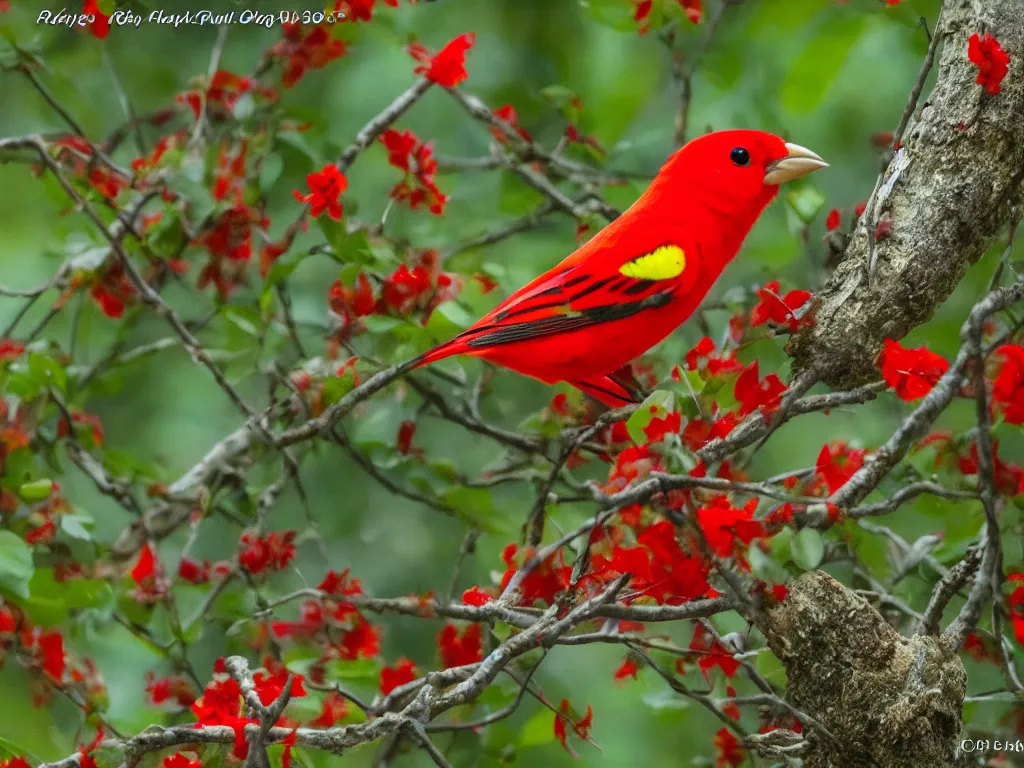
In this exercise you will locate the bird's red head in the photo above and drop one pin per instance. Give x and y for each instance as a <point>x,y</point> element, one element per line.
<point>737,170</point>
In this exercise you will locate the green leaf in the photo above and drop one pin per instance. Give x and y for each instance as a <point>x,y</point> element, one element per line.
<point>456,313</point>
<point>16,567</point>
<point>357,669</point>
<point>538,730</point>
<point>37,490</point>
<point>474,505</point>
<point>771,669</point>
<point>47,371</point>
<point>298,141</point>
<point>807,548</point>
<point>812,72</point>
<point>200,201</point>
<point>766,569</point>
<point>806,202</point>
<point>657,405</point>
<point>270,171</point>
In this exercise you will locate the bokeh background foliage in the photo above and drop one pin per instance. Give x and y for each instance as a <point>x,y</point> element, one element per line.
<point>825,74</point>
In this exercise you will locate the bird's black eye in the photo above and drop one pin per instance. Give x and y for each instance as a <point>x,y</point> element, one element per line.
<point>740,157</point>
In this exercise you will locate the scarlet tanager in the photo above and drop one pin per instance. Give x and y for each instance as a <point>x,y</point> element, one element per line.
<point>643,275</point>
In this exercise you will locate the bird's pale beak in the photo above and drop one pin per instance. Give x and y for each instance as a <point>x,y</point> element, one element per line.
<point>799,162</point>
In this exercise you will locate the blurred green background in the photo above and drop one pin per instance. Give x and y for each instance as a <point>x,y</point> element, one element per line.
<point>824,74</point>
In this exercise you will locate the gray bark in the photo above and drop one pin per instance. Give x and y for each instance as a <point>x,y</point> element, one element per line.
<point>963,174</point>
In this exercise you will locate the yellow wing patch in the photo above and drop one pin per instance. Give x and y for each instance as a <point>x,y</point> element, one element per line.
<point>663,263</point>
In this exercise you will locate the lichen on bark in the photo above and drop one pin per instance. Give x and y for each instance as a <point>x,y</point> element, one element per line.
<point>963,174</point>
<point>885,700</point>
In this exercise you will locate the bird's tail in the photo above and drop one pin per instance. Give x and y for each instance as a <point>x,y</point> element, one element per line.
<point>455,346</point>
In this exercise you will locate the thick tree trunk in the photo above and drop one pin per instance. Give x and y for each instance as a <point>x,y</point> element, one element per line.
<point>886,701</point>
<point>947,195</point>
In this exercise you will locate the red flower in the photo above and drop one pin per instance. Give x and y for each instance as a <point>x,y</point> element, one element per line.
<point>173,688</point>
<point>178,760</point>
<point>725,527</point>
<point>18,761</point>
<point>221,704</point>
<point>326,186</point>
<point>304,52</point>
<point>779,310</point>
<point>837,462</point>
<point>628,669</point>
<point>10,350</point>
<point>332,710</point>
<point>406,431</point>
<point>657,428</point>
<point>145,566</point>
<point>711,654</point>
<point>48,650</point>
<point>100,25</point>
<point>363,640</point>
<point>510,116</point>
<point>752,393</point>
<point>543,582</point>
<point>1008,386</point>
<point>476,596</point>
<point>194,572</point>
<point>911,372</point>
<point>270,684</point>
<point>694,9</point>
<point>459,650</point>
<point>992,61</point>
<point>448,67</point>
<point>8,624</point>
<point>404,287</point>
<point>85,759</point>
<point>833,221</point>
<point>581,726</point>
<point>401,673</point>
<point>275,551</point>
<point>406,152</point>
<point>729,753</point>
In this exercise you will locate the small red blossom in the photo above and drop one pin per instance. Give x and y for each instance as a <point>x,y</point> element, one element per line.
<point>509,115</point>
<point>326,186</point>
<point>859,210</point>
<point>173,688</point>
<point>448,67</point>
<point>657,428</point>
<point>544,582</point>
<point>711,653</point>
<point>404,288</point>
<point>221,704</point>
<point>725,527</point>
<point>836,464</point>
<point>10,350</point>
<point>303,51</point>
<point>178,760</point>
<point>100,24</point>
<point>753,393</point>
<point>581,727</point>
<point>476,596</point>
<point>333,709</point>
<point>406,432</point>
<point>270,685</point>
<point>834,220</point>
<point>992,61</point>
<point>408,153</point>
<point>780,310</point>
<point>274,551</point>
<point>458,650</point>
<point>17,761</point>
<point>729,752</point>
<point>628,669</point>
<point>911,372</point>
<point>403,671</point>
<point>1008,385</point>
<point>694,9</point>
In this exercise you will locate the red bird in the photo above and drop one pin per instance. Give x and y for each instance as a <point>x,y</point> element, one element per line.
<point>643,275</point>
